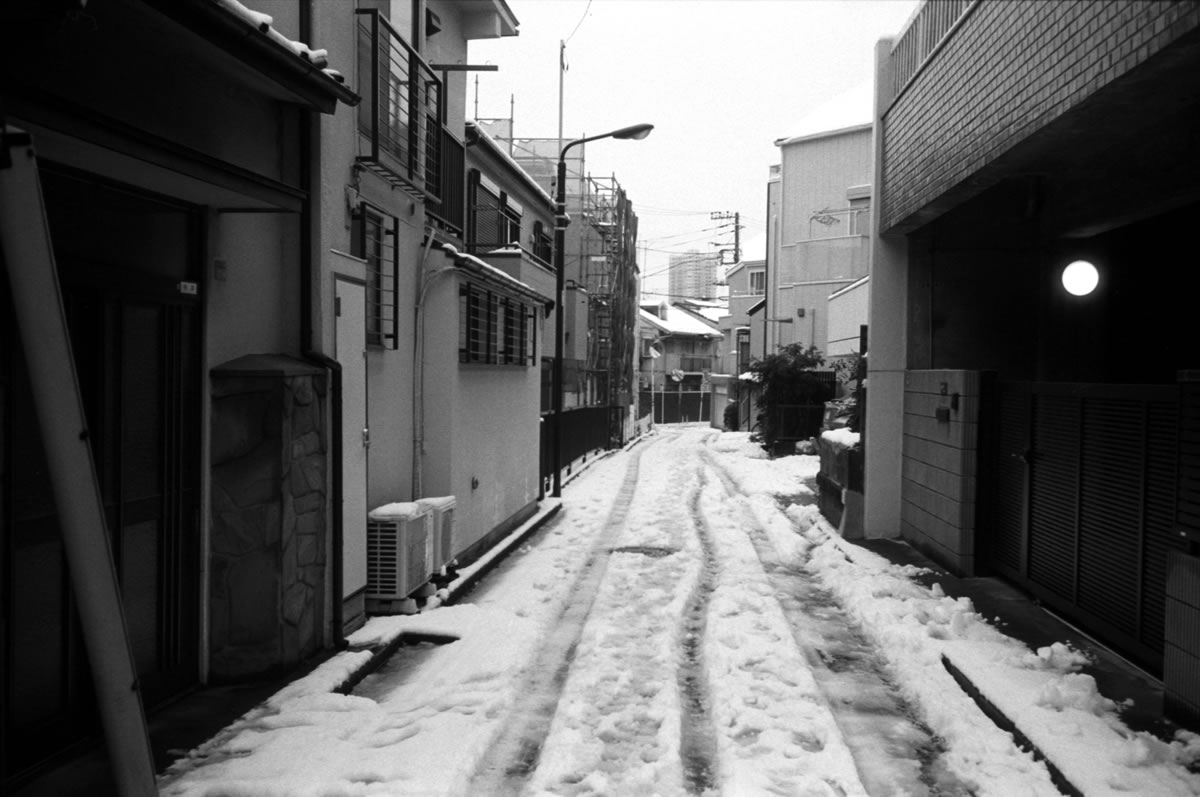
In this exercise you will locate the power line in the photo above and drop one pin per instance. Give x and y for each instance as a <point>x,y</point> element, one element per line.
<point>580,22</point>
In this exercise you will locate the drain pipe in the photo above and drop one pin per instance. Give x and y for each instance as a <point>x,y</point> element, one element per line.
<point>310,164</point>
<point>418,464</point>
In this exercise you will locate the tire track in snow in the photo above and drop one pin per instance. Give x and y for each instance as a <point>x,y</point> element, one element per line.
<point>697,741</point>
<point>895,752</point>
<point>514,753</point>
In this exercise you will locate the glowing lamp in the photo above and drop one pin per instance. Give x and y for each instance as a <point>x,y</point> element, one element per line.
<point>1080,278</point>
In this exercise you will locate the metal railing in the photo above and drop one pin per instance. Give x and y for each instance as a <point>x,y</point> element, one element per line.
<point>918,41</point>
<point>400,111</point>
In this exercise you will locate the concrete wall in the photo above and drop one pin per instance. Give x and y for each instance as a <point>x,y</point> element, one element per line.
<point>940,467</point>
<point>482,429</point>
<point>846,312</point>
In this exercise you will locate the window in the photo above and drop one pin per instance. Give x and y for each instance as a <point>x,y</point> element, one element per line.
<point>860,216</point>
<point>543,245</point>
<point>494,328</point>
<point>495,215</point>
<point>374,240</point>
<point>758,282</point>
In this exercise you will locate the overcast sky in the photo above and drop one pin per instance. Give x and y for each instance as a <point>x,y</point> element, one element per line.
<point>721,80</point>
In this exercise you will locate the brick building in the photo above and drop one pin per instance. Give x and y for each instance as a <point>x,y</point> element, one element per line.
<point>1012,427</point>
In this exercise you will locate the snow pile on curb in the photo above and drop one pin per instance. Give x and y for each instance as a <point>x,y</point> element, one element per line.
<point>1053,705</point>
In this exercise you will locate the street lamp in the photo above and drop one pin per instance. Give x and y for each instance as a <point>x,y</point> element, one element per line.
<point>560,236</point>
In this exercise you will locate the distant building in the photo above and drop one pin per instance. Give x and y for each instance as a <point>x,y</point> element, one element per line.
<point>821,220</point>
<point>693,275</point>
<point>678,351</point>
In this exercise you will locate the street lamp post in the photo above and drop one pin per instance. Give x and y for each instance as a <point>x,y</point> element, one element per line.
<point>560,237</point>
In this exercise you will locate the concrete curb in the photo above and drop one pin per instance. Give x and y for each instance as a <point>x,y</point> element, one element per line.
<point>471,575</point>
<point>468,577</point>
<point>1005,724</point>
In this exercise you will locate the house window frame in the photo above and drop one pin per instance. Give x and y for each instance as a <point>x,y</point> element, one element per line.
<point>761,288</point>
<point>495,327</point>
<point>374,233</point>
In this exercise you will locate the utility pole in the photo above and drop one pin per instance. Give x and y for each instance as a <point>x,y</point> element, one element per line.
<point>737,230</point>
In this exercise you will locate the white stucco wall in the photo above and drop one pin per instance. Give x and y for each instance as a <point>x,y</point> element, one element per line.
<point>481,424</point>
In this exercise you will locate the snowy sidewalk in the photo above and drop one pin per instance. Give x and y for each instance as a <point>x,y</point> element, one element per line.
<point>686,669</point>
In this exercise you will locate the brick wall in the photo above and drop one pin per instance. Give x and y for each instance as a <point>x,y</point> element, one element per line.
<point>1010,68</point>
<point>941,443</point>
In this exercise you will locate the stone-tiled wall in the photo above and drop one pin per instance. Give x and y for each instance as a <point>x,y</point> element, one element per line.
<point>269,450</point>
<point>940,465</point>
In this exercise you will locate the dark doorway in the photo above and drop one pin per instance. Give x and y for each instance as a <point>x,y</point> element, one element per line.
<point>128,264</point>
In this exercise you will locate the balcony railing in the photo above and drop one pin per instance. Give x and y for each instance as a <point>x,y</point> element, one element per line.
<point>400,112</point>
<point>926,30</point>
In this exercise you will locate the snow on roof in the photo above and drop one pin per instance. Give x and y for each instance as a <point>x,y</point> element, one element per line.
<point>843,112</point>
<point>265,22</point>
<point>492,274</point>
<point>502,153</point>
<point>679,322</point>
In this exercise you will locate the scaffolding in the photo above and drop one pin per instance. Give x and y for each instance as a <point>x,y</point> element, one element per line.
<point>600,256</point>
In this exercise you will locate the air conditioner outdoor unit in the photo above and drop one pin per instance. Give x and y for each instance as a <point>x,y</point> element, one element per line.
<point>442,510</point>
<point>399,552</point>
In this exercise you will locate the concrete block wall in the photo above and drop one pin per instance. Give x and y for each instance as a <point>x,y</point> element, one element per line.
<point>1010,68</point>
<point>940,465</point>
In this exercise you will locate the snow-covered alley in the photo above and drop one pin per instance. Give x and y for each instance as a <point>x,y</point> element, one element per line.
<point>688,624</point>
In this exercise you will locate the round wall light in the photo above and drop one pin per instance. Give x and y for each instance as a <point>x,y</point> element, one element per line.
<point>1080,278</point>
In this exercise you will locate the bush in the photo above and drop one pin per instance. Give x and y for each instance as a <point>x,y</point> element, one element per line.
<point>786,379</point>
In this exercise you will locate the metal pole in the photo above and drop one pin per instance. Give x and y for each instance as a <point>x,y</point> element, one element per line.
<point>560,239</point>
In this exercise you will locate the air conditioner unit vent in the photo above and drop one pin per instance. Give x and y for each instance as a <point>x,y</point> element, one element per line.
<point>442,510</point>
<point>399,551</point>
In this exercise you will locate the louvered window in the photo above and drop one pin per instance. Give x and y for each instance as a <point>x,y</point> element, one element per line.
<point>495,215</point>
<point>374,240</point>
<point>495,329</point>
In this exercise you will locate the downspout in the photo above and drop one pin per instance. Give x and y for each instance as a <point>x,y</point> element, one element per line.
<point>424,283</point>
<point>310,164</point>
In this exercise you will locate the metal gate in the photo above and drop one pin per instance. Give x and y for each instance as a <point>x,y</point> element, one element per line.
<point>1079,502</point>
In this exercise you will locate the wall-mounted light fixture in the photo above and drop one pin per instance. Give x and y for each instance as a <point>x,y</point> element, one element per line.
<point>1080,278</point>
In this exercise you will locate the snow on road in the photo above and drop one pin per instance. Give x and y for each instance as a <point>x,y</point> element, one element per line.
<point>671,632</point>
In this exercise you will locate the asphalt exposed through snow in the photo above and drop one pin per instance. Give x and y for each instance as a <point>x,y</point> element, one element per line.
<point>894,751</point>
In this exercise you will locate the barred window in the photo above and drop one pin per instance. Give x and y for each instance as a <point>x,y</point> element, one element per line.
<point>373,236</point>
<point>494,328</point>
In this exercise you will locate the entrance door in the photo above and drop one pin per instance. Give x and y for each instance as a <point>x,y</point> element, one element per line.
<point>351,352</point>
<point>127,269</point>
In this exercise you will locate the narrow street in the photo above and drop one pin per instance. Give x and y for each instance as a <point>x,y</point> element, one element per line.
<point>686,625</point>
<point>711,664</point>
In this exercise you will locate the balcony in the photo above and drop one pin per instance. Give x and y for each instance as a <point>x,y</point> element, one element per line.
<point>924,33</point>
<point>695,364</point>
<point>399,119</point>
